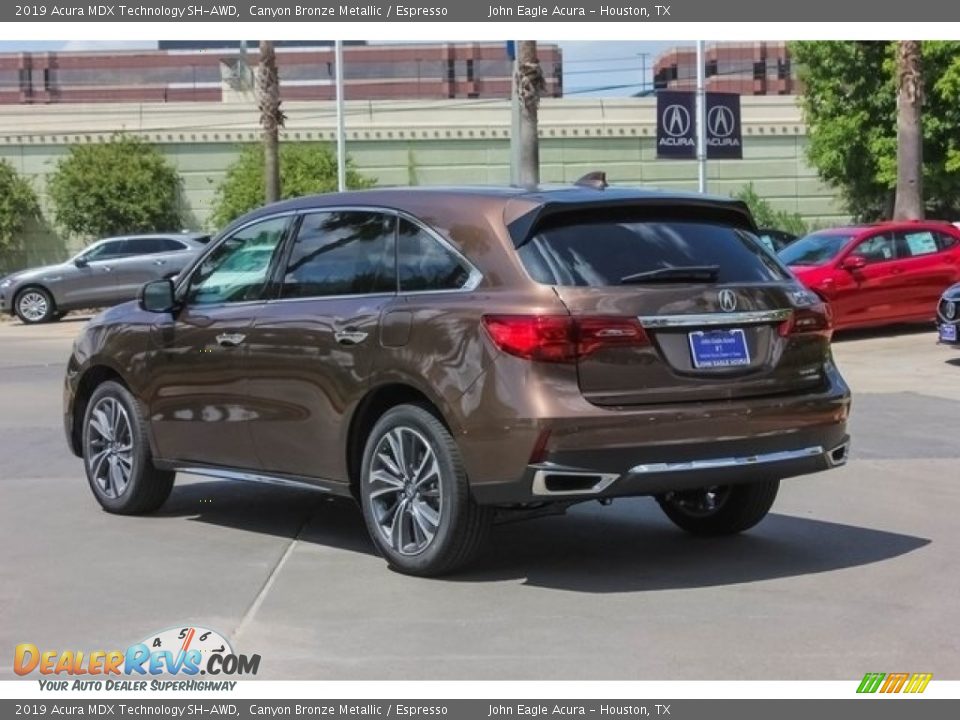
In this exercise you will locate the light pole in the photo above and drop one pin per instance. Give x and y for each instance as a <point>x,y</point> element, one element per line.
<point>701,120</point>
<point>341,140</point>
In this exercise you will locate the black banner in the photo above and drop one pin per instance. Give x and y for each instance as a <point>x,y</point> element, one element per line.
<point>677,126</point>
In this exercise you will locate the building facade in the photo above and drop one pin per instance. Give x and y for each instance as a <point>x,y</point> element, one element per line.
<point>406,143</point>
<point>200,72</point>
<point>750,68</point>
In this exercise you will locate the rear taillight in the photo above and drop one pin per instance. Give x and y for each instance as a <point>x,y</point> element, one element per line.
<point>813,320</point>
<point>561,338</point>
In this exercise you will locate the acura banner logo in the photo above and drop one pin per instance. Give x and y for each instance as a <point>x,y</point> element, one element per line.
<point>677,127</point>
<point>720,122</point>
<point>676,121</point>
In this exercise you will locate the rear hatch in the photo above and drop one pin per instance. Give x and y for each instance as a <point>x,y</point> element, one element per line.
<point>673,310</point>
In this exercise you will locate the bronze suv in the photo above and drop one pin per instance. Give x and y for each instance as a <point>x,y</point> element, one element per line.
<point>452,356</point>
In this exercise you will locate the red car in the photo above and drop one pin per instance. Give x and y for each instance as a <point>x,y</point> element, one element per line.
<point>878,274</point>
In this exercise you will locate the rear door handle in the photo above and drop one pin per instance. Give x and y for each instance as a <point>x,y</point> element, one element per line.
<point>350,336</point>
<point>159,262</point>
<point>230,339</point>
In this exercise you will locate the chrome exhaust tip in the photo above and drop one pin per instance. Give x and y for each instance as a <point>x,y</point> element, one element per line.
<point>838,456</point>
<point>557,481</point>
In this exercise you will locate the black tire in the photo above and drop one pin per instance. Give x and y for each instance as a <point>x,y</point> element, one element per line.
<point>27,305</point>
<point>737,507</point>
<point>462,526</point>
<point>146,488</point>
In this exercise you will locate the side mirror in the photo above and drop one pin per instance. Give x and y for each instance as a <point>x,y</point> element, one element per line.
<point>157,297</point>
<point>80,262</point>
<point>854,262</point>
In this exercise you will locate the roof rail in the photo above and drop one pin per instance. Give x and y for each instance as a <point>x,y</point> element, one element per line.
<point>596,180</point>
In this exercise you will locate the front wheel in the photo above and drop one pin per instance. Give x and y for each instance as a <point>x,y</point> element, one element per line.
<point>720,509</point>
<point>116,454</point>
<point>415,496</point>
<point>35,305</point>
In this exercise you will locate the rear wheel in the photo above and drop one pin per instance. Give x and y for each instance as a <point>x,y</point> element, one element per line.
<point>35,305</point>
<point>415,495</point>
<point>720,509</point>
<point>116,454</point>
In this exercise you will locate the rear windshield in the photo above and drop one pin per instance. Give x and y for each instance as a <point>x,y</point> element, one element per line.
<point>605,253</point>
<point>814,249</point>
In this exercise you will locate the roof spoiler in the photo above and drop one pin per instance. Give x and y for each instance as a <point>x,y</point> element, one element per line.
<point>597,180</point>
<point>732,212</point>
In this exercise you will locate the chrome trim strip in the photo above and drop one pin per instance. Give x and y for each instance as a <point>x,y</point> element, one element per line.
<point>223,474</point>
<point>750,317</point>
<point>539,486</point>
<point>728,462</point>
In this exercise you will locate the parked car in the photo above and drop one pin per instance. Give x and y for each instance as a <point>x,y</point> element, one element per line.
<point>107,272</point>
<point>446,356</point>
<point>775,240</point>
<point>879,274</point>
<point>948,316</point>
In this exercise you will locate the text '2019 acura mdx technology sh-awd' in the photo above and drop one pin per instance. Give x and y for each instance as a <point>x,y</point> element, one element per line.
<point>452,356</point>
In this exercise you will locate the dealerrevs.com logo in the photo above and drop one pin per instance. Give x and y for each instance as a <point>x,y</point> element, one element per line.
<point>183,651</point>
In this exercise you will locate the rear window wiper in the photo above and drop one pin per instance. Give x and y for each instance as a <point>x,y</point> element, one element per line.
<point>682,273</point>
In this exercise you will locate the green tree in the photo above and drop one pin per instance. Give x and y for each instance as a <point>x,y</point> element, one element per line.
<point>850,105</point>
<point>121,186</point>
<point>18,205</point>
<point>305,169</point>
<point>766,216</point>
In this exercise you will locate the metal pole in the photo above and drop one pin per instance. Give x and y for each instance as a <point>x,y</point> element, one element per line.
<point>701,120</point>
<point>341,139</point>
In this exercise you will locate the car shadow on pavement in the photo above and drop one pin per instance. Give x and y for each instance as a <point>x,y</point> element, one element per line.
<point>634,548</point>
<point>281,511</point>
<point>954,361</point>
<point>627,547</point>
<point>926,328</point>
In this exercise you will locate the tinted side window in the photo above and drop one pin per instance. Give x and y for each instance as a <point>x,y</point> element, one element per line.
<point>106,251</point>
<point>945,241</point>
<point>601,253</point>
<point>151,246</point>
<point>878,248</point>
<point>916,244</point>
<point>425,264</point>
<point>168,245</point>
<point>342,253</point>
<point>238,268</point>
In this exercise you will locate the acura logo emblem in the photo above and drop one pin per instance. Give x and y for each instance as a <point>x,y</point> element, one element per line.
<point>720,121</point>
<point>676,120</point>
<point>728,301</point>
<point>950,310</point>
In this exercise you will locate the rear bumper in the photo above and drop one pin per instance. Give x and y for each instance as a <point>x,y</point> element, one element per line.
<point>601,453</point>
<point>547,482</point>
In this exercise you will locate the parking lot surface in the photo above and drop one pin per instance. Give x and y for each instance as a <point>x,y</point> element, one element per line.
<point>855,570</point>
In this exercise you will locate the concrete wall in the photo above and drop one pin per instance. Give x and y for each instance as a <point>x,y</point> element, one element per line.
<point>425,143</point>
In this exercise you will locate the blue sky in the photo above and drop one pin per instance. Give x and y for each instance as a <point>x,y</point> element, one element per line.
<point>591,69</point>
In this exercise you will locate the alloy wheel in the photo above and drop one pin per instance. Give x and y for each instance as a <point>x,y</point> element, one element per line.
<point>405,492</point>
<point>33,306</point>
<point>109,447</point>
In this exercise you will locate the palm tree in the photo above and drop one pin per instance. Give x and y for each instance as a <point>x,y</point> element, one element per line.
<point>271,118</point>
<point>530,84</point>
<point>908,204</point>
